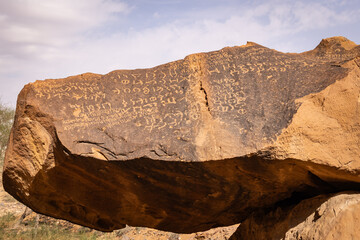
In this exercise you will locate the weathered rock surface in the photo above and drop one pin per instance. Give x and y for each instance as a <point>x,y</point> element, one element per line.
<point>338,218</point>
<point>325,217</point>
<point>190,145</point>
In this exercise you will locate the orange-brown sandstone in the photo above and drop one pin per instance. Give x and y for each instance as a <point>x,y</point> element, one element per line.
<point>212,140</point>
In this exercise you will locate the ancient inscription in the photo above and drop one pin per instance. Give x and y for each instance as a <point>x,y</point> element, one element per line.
<point>151,100</point>
<point>336,56</point>
<point>237,86</point>
<point>232,74</point>
<point>75,90</point>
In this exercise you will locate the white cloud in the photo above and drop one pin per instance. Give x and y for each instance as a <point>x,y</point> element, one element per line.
<point>264,24</point>
<point>45,39</point>
<point>34,28</point>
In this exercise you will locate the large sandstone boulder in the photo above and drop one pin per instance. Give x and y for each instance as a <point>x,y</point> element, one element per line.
<point>193,144</point>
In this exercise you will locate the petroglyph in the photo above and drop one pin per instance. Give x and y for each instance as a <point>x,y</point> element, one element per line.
<point>123,98</point>
<point>231,79</point>
<point>230,88</point>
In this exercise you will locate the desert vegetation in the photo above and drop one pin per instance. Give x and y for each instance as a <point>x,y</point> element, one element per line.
<point>6,119</point>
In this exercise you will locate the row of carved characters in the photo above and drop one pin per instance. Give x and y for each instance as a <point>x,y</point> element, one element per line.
<point>99,95</point>
<point>172,72</point>
<point>107,117</point>
<point>337,56</point>
<point>72,90</point>
<point>88,110</point>
<point>94,93</point>
<point>258,67</point>
<point>174,88</point>
<point>148,118</point>
<point>255,59</point>
<point>170,120</point>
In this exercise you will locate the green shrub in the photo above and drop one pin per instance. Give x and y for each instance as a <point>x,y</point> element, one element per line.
<point>6,120</point>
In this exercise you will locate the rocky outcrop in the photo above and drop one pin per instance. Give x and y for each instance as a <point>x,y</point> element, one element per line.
<point>338,218</point>
<point>326,217</point>
<point>191,145</point>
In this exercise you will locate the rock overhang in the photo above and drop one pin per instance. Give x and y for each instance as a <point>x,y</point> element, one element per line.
<point>233,131</point>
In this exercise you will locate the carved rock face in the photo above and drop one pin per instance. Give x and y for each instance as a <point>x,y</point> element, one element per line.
<point>189,145</point>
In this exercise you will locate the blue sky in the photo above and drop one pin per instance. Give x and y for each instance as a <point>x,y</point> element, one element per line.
<point>42,39</point>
